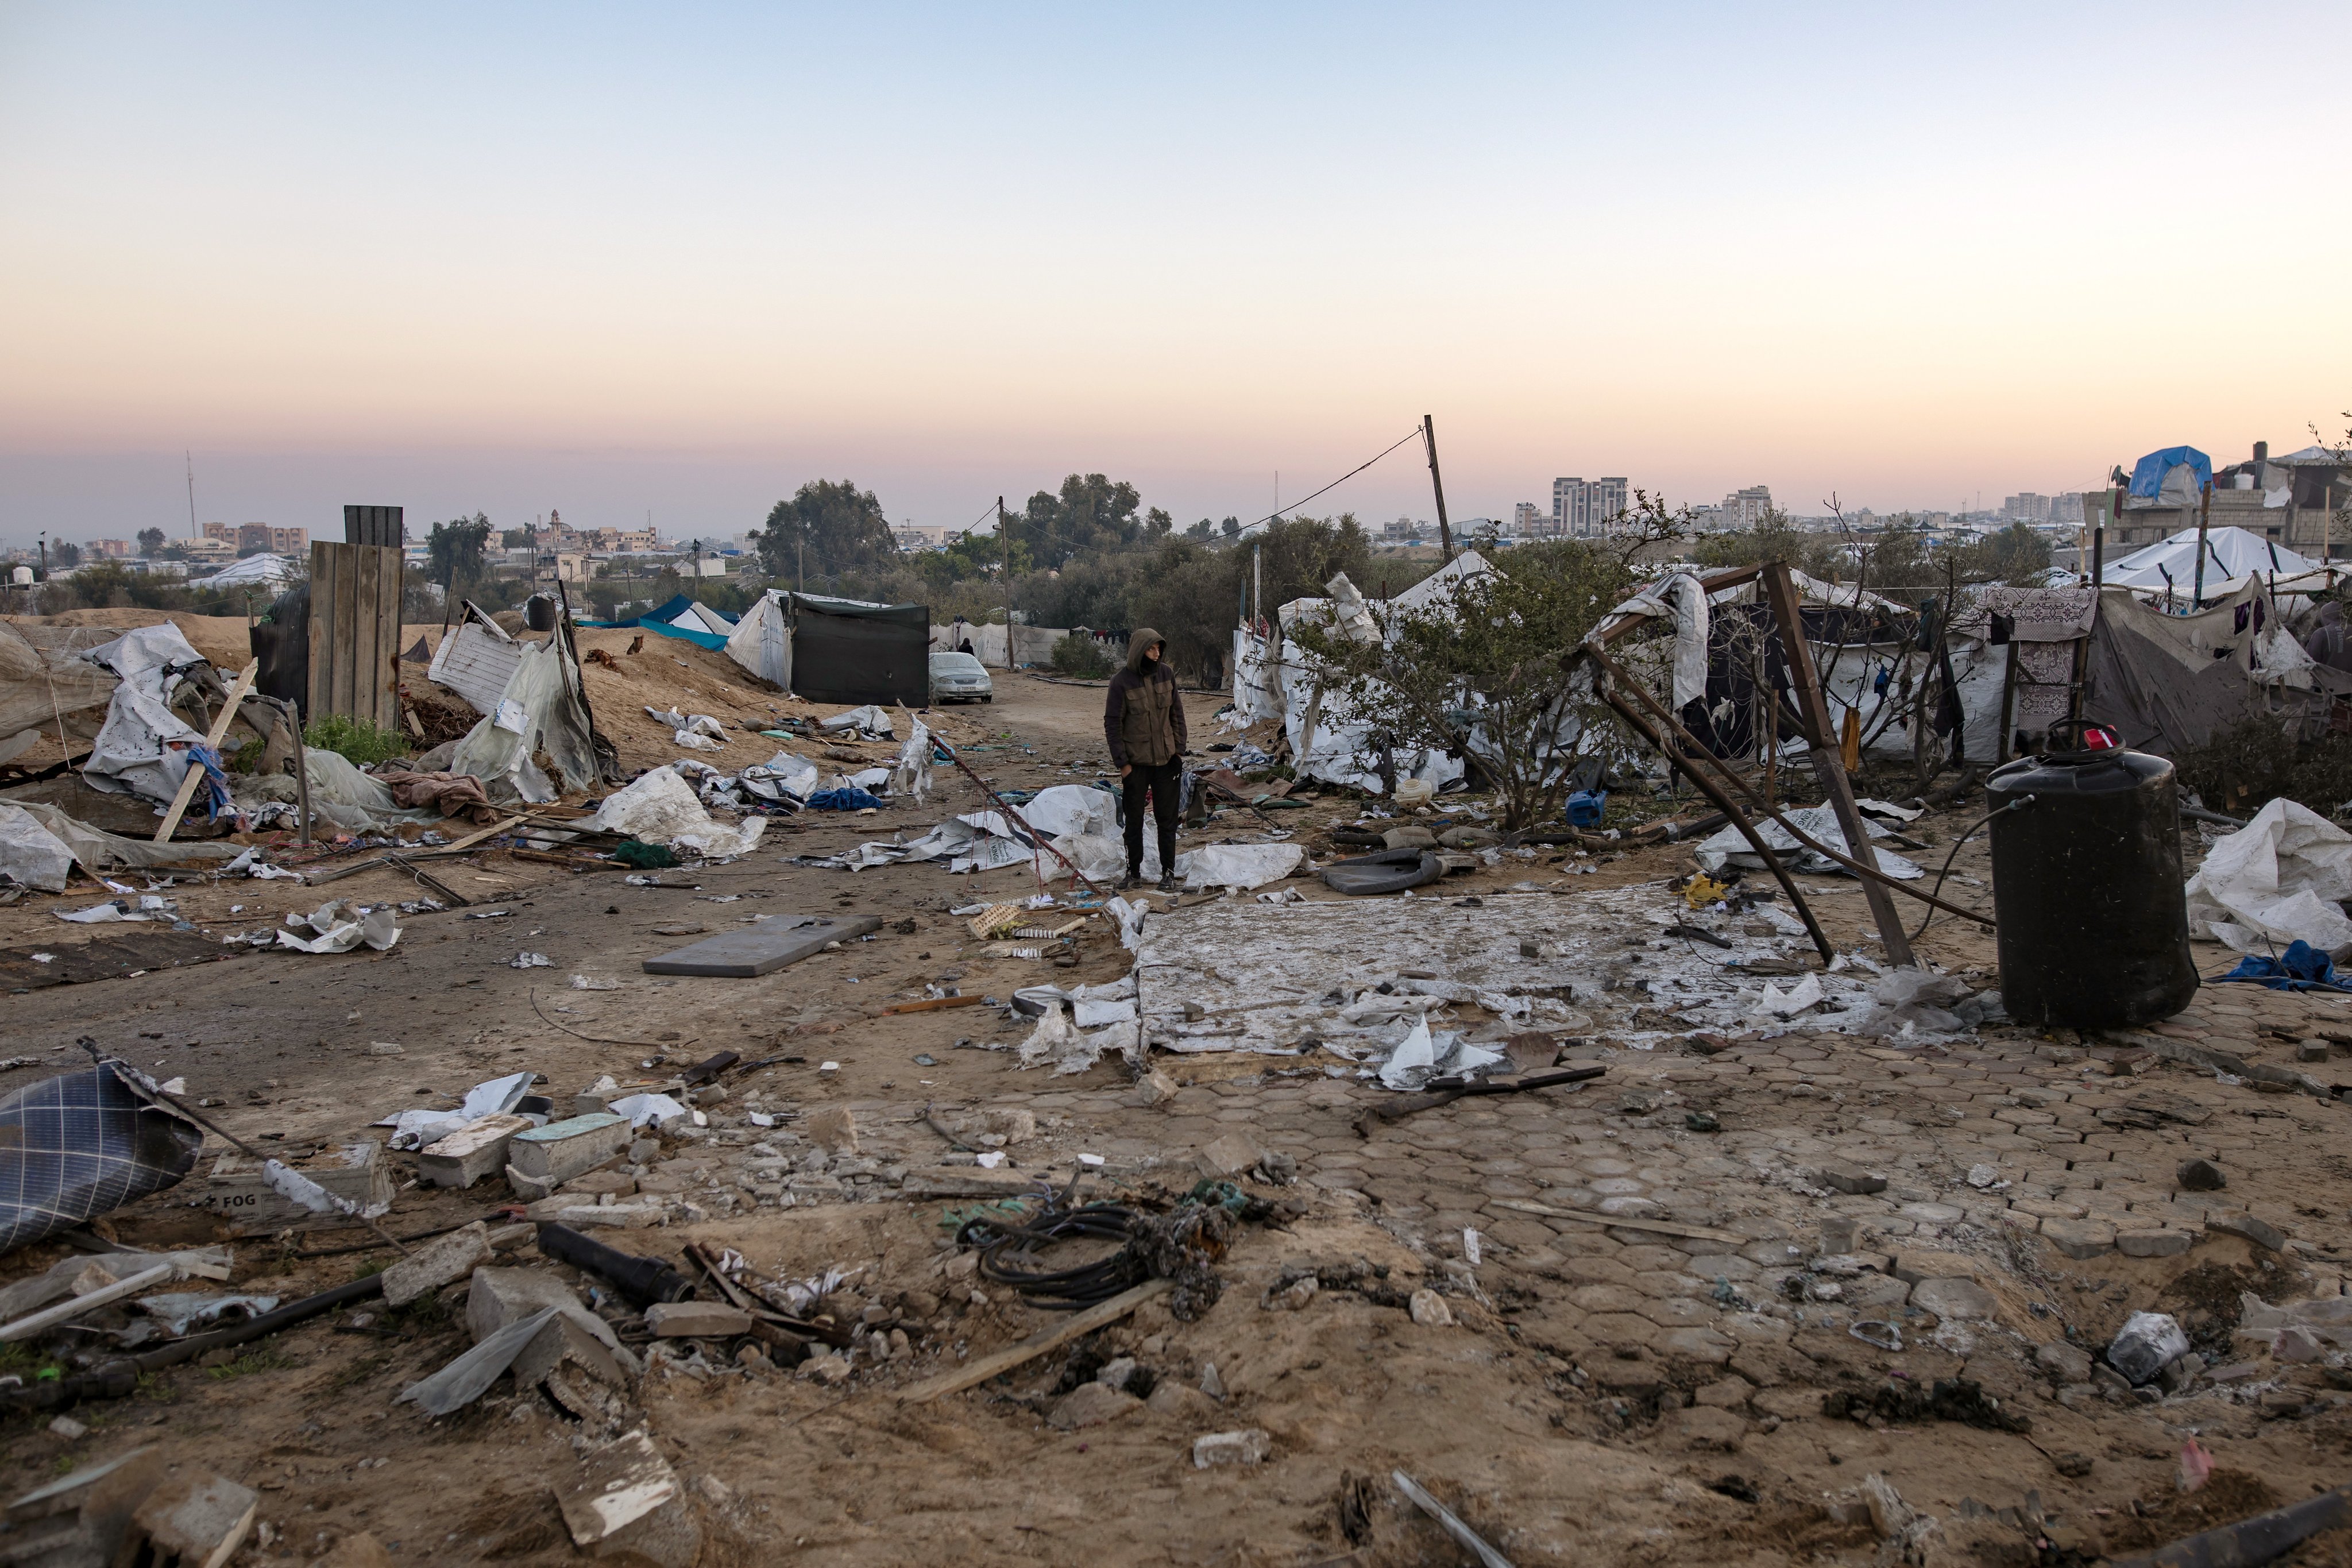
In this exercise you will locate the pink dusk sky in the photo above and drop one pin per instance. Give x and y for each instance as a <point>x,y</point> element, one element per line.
<point>677,260</point>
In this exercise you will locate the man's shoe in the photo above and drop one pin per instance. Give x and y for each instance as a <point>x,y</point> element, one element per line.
<point>1132,880</point>
<point>1167,882</point>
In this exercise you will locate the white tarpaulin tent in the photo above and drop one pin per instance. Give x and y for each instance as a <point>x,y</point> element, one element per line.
<point>141,749</point>
<point>2230,553</point>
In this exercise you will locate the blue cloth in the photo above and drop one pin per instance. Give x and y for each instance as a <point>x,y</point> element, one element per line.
<point>2147,475</point>
<point>216,784</point>
<point>2302,967</point>
<point>847,798</point>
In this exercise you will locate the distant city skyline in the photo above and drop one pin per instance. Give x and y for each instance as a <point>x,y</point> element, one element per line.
<point>505,259</point>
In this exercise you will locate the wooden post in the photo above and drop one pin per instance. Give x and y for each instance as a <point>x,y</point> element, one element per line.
<point>1827,766</point>
<point>2008,701</point>
<point>2204,516</point>
<point>1611,673</point>
<point>195,773</point>
<point>1444,529</point>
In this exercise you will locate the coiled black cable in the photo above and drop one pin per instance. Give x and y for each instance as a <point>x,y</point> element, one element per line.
<point>2022,800</point>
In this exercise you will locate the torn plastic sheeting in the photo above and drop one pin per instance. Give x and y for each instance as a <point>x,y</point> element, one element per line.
<point>30,855</point>
<point>1242,865</point>
<point>1775,1003</point>
<point>99,914</point>
<point>870,720</point>
<point>463,1380</point>
<point>2274,881</point>
<point>83,1144</point>
<point>416,1127</point>
<point>376,929</point>
<point>1422,1055</point>
<point>660,1110</point>
<point>545,686</point>
<point>1058,1039</point>
<point>1819,823</point>
<point>98,851</point>
<point>142,747</point>
<point>663,809</point>
<point>353,801</point>
<point>910,777</point>
<point>787,773</point>
<point>178,1311</point>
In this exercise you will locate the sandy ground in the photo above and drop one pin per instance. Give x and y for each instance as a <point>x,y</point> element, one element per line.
<point>1601,1395</point>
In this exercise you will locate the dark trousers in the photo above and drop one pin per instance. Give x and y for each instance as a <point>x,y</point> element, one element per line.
<point>1165,785</point>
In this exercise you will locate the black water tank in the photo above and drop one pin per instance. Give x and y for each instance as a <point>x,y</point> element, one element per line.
<point>2087,889</point>
<point>539,612</point>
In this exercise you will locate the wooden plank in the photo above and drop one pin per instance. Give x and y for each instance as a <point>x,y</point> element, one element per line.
<point>345,650</point>
<point>1587,1216</point>
<point>974,1373</point>
<point>471,839</point>
<point>388,646</point>
<point>195,773</point>
<point>322,618</point>
<point>1829,766</point>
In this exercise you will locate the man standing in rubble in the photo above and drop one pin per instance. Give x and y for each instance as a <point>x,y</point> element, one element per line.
<point>1143,724</point>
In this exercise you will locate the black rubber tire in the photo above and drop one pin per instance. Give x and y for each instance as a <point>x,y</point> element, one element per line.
<point>1355,839</point>
<point>1390,871</point>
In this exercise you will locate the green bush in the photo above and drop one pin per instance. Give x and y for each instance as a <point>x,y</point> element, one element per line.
<point>2245,767</point>
<point>357,740</point>
<point>1082,657</point>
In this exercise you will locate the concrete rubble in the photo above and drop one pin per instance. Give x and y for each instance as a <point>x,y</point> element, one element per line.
<point>1214,1210</point>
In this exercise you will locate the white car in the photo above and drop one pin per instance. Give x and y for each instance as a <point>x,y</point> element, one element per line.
<point>960,677</point>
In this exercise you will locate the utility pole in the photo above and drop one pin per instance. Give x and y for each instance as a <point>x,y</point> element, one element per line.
<point>1257,585</point>
<point>190,458</point>
<point>2204,516</point>
<point>1004,551</point>
<point>1444,529</point>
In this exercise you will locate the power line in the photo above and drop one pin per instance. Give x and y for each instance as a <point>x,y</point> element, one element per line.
<point>1413,434</point>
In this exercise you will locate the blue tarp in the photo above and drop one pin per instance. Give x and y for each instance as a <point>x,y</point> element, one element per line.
<point>2302,967</point>
<point>647,623</point>
<point>2147,477</point>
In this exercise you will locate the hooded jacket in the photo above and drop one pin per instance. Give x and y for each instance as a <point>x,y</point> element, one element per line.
<point>1143,717</point>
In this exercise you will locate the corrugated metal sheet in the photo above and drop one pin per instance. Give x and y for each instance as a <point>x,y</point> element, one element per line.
<point>476,663</point>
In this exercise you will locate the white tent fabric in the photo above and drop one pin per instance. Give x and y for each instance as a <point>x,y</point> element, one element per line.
<point>538,710</point>
<point>761,642</point>
<point>263,570</point>
<point>140,750</point>
<point>2231,553</point>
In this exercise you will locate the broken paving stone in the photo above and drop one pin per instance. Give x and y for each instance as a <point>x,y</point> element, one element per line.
<point>1229,1157</point>
<point>1249,1446</point>
<point>1850,1179</point>
<point>1983,1176</point>
<point>825,1367</point>
<point>441,1261</point>
<point>2201,1176</point>
<point>1151,1088</point>
<point>627,1502</point>
<point>2068,1363</point>
<point>2152,1243</point>
<point>833,1129</point>
<point>1091,1404</point>
<point>1725,1393</point>
<point>1955,1298</point>
<point>498,1297</point>
<point>2246,1227</point>
<point>1430,1310</point>
<point>199,1521</point>
<point>2079,1237</point>
<point>69,1428</point>
<point>1116,1372</point>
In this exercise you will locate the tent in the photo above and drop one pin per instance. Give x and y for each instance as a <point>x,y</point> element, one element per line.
<point>836,650</point>
<point>2173,477</point>
<point>2230,553</point>
<point>263,570</point>
<point>682,618</point>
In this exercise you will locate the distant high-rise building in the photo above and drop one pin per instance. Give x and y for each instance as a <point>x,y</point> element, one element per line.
<point>1523,517</point>
<point>2066,510</point>
<point>2026,507</point>
<point>1565,497</point>
<point>1581,507</point>
<point>1745,508</point>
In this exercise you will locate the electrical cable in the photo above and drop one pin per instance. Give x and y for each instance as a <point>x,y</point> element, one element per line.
<point>2020,801</point>
<point>1414,434</point>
